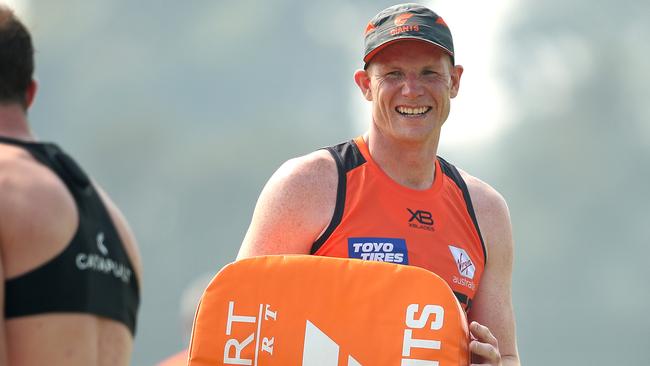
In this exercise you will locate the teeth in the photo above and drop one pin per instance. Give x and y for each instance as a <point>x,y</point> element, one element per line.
<point>412,111</point>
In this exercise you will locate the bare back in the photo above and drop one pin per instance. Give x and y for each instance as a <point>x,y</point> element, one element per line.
<point>37,222</point>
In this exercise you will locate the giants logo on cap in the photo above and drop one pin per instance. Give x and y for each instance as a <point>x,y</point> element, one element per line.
<point>401,26</point>
<point>402,18</point>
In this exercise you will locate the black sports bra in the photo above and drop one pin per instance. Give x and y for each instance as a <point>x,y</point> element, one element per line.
<point>93,274</point>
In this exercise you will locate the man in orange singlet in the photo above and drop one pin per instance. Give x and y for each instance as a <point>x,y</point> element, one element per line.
<point>69,263</point>
<point>386,196</point>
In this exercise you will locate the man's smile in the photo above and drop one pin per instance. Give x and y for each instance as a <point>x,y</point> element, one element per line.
<point>412,111</point>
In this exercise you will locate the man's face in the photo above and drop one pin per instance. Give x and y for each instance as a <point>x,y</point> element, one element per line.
<point>410,84</point>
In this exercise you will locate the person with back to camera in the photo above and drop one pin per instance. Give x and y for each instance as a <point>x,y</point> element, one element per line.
<point>386,195</point>
<point>70,265</point>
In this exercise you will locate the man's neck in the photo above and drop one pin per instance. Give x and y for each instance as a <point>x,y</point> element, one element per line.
<point>411,164</point>
<point>13,122</point>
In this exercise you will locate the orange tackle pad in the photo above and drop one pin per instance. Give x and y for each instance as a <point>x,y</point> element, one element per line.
<point>309,310</point>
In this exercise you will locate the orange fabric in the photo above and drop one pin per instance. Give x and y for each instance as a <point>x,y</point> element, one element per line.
<point>307,310</point>
<point>434,226</point>
<point>179,359</point>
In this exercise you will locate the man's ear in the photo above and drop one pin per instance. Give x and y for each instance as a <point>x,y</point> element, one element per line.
<point>456,73</point>
<point>30,94</point>
<point>362,79</point>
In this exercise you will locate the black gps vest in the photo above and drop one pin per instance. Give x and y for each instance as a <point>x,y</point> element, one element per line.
<point>93,274</point>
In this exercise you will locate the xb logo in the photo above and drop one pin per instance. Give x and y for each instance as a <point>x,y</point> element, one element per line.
<point>423,217</point>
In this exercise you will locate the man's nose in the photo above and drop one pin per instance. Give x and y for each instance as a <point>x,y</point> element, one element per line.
<point>412,87</point>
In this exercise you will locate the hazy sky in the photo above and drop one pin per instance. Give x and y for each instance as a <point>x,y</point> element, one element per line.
<point>479,112</point>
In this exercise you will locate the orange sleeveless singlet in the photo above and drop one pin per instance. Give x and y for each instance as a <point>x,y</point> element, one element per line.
<point>377,219</point>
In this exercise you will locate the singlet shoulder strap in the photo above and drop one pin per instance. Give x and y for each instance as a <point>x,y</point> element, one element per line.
<point>55,158</point>
<point>450,170</point>
<point>34,148</point>
<point>347,157</point>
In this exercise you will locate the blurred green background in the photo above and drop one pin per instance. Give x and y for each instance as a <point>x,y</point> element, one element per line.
<point>182,110</point>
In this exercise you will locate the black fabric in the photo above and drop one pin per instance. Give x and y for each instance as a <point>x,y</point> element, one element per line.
<point>93,274</point>
<point>453,173</point>
<point>347,157</point>
<point>464,300</point>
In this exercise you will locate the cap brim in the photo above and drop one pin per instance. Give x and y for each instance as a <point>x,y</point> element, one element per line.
<point>381,46</point>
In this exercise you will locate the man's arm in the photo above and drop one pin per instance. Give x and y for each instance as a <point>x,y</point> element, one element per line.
<point>492,316</point>
<point>4,167</point>
<point>3,336</point>
<point>37,218</point>
<point>294,208</point>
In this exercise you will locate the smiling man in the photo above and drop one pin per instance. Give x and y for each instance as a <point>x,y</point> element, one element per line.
<point>387,196</point>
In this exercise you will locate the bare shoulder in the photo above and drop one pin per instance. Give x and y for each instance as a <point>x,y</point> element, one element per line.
<point>294,207</point>
<point>303,183</point>
<point>307,173</point>
<point>16,166</point>
<point>485,198</point>
<point>31,197</point>
<point>492,213</point>
<point>24,181</point>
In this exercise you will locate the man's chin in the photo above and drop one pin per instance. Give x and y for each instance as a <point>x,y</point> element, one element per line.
<point>420,135</point>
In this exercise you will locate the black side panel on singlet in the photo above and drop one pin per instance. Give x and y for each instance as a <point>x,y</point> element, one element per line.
<point>347,157</point>
<point>93,274</point>
<point>453,173</point>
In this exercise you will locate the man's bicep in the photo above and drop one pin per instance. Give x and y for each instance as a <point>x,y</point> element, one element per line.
<point>3,330</point>
<point>270,230</point>
<point>493,308</point>
<point>292,210</point>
